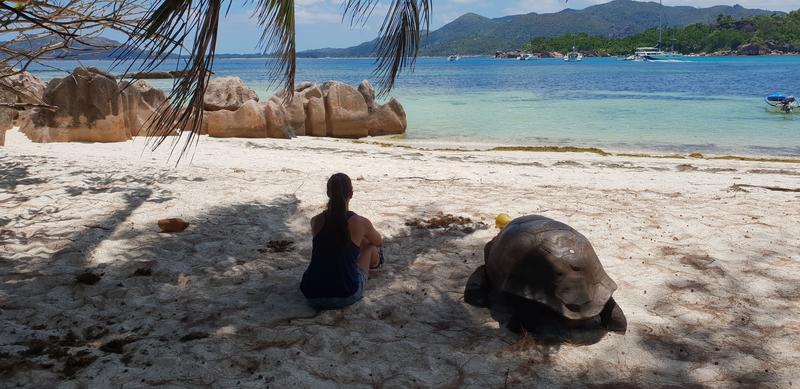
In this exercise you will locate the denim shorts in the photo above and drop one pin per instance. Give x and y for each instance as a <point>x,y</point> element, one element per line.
<point>341,302</point>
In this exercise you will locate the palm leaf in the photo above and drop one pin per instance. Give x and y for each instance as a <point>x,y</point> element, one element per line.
<point>171,22</point>
<point>399,40</point>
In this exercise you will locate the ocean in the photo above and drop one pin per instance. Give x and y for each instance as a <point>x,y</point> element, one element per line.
<point>711,105</point>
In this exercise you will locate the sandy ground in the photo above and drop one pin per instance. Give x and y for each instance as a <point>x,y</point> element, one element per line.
<point>708,268</point>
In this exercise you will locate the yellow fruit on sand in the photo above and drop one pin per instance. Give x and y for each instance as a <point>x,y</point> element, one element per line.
<point>502,220</point>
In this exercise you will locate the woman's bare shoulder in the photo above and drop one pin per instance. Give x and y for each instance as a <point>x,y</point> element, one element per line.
<point>361,220</point>
<point>317,222</point>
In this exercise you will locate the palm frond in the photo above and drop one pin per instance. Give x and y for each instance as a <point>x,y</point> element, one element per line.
<point>276,18</point>
<point>160,36</point>
<point>400,35</point>
<point>170,23</point>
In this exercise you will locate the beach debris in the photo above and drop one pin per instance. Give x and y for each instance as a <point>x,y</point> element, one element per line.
<point>278,246</point>
<point>87,278</point>
<point>76,363</point>
<point>94,332</point>
<point>537,262</point>
<point>740,188</point>
<point>195,335</point>
<point>447,222</point>
<point>143,272</point>
<point>172,225</point>
<point>116,346</point>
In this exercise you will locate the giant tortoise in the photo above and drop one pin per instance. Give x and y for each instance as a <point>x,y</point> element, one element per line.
<point>547,262</point>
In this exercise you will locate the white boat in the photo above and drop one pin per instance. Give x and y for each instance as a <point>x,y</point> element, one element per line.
<point>454,58</point>
<point>526,57</point>
<point>781,102</point>
<point>656,53</point>
<point>573,56</point>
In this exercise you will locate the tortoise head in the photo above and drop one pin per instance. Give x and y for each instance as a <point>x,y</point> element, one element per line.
<point>581,286</point>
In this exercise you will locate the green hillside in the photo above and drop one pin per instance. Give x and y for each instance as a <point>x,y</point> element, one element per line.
<point>773,33</point>
<point>475,34</point>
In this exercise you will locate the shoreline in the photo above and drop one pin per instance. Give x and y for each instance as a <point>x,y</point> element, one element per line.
<point>396,141</point>
<point>390,141</point>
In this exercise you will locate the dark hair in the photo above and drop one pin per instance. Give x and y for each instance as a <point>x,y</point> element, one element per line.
<point>340,190</point>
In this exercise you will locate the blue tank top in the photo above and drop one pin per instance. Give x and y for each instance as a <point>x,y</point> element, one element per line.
<point>333,271</point>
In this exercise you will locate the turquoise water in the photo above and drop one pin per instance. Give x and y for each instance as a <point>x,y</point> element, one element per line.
<point>710,105</point>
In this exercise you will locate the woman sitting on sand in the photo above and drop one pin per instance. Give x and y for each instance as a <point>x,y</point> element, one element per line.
<point>345,247</point>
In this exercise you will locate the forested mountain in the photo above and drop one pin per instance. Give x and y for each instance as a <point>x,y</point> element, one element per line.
<point>475,34</point>
<point>753,35</point>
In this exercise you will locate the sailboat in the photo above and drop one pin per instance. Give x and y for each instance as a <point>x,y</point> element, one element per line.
<point>657,53</point>
<point>573,56</point>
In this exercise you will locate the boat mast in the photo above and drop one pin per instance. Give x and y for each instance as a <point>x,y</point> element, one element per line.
<point>660,22</point>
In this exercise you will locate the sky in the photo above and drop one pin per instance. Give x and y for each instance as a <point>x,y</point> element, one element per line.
<point>319,22</point>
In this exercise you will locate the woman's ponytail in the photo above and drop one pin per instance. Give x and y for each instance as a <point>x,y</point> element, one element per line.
<point>340,190</point>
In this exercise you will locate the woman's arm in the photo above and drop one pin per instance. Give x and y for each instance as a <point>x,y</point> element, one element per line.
<point>371,235</point>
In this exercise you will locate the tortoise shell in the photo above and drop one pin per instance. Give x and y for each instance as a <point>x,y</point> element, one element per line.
<point>547,261</point>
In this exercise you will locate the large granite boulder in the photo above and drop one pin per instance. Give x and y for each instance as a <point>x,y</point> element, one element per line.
<point>752,49</point>
<point>228,93</point>
<point>15,89</point>
<point>346,111</point>
<point>90,109</point>
<point>252,120</point>
<point>333,109</point>
<point>294,111</point>
<point>140,101</point>
<point>366,90</point>
<point>387,119</point>
<point>27,88</point>
<point>277,120</point>
<point>249,121</point>
<point>315,117</point>
<point>7,115</point>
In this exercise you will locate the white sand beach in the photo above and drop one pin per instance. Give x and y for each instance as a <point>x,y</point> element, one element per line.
<point>706,254</point>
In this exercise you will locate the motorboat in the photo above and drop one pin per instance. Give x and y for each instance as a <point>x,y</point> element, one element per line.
<point>526,57</point>
<point>654,54</point>
<point>454,58</point>
<point>573,56</point>
<point>781,102</point>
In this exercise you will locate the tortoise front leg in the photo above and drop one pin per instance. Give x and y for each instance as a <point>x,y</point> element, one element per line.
<point>613,318</point>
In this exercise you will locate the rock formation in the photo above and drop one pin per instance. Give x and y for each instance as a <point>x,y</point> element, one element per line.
<point>140,102</point>
<point>93,107</point>
<point>345,111</point>
<point>16,89</point>
<point>228,93</point>
<point>752,49</point>
<point>249,121</point>
<point>332,109</point>
<point>90,110</point>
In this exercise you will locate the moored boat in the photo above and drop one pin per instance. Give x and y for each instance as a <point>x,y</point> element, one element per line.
<point>781,102</point>
<point>573,56</point>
